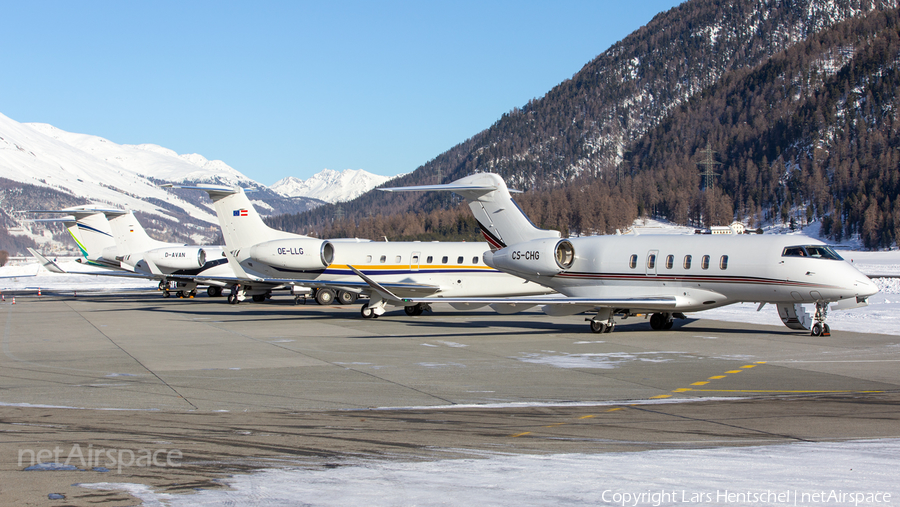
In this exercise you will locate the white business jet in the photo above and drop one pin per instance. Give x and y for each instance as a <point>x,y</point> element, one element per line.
<point>661,275</point>
<point>259,253</point>
<point>114,239</point>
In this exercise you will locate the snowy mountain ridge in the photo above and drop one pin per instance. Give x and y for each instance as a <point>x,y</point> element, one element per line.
<point>330,185</point>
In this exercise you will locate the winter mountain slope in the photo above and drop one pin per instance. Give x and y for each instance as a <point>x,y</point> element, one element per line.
<point>331,186</point>
<point>30,155</point>
<point>150,160</point>
<point>42,166</point>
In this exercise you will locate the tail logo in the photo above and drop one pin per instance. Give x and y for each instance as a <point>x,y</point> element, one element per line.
<point>240,212</point>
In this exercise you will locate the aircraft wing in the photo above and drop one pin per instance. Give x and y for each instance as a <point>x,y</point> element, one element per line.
<point>652,303</point>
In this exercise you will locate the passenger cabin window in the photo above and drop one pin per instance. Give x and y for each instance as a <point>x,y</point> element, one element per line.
<point>814,251</point>
<point>475,260</point>
<point>723,262</point>
<point>459,260</point>
<point>704,262</point>
<point>632,263</point>
<point>444,259</point>
<point>429,259</point>
<point>651,261</point>
<point>368,258</point>
<point>415,259</point>
<point>670,261</point>
<point>687,262</point>
<point>398,259</point>
<point>383,259</point>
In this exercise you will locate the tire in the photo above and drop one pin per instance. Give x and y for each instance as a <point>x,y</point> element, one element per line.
<point>414,310</point>
<point>597,326</point>
<point>657,321</point>
<point>166,294</point>
<point>259,298</point>
<point>325,296</point>
<point>366,312</point>
<point>213,291</point>
<point>346,297</point>
<point>816,329</point>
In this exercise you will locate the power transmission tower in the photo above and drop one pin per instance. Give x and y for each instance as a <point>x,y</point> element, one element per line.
<point>709,164</point>
<point>338,212</point>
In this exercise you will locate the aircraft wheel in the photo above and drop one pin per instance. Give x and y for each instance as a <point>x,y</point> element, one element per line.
<point>259,298</point>
<point>668,324</point>
<point>367,312</point>
<point>166,294</point>
<point>325,296</point>
<point>162,285</point>
<point>213,291</point>
<point>657,321</point>
<point>826,330</point>
<point>816,329</point>
<point>346,297</point>
<point>597,326</point>
<point>414,310</point>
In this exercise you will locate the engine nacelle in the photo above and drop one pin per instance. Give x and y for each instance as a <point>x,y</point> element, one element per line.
<point>299,253</point>
<point>177,257</point>
<point>540,257</point>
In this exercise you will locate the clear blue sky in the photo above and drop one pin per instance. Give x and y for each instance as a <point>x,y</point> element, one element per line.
<point>279,89</point>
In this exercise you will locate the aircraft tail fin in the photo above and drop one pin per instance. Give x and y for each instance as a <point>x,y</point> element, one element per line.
<point>501,220</point>
<point>241,224</point>
<point>130,234</point>
<point>89,228</point>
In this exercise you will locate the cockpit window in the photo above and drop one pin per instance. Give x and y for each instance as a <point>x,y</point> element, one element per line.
<point>814,251</point>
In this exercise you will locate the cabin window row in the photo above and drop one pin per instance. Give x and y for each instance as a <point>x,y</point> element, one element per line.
<point>670,261</point>
<point>415,259</point>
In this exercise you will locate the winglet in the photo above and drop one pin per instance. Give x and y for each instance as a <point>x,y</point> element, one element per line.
<point>46,263</point>
<point>377,287</point>
<point>237,268</point>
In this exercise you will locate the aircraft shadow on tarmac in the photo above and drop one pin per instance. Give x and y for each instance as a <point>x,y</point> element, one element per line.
<point>284,309</point>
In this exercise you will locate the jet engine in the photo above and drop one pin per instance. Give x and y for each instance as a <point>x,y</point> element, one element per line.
<point>296,253</point>
<point>179,257</point>
<point>540,257</point>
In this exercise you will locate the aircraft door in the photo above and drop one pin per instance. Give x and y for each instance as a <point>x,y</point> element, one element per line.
<point>652,262</point>
<point>414,261</point>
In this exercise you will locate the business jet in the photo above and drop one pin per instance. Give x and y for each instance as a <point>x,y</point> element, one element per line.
<point>660,275</point>
<point>114,239</point>
<point>259,253</point>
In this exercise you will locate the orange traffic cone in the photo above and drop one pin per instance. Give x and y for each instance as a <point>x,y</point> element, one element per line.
<point>39,291</point>
<point>14,300</point>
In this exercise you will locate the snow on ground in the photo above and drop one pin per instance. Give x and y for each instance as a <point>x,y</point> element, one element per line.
<point>830,473</point>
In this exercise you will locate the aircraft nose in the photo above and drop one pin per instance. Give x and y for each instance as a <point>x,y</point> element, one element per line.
<point>866,287</point>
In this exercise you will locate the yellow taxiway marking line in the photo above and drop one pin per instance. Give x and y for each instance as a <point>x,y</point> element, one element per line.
<point>554,424</point>
<point>776,391</point>
<point>717,377</point>
<point>521,434</point>
<point>660,396</point>
<point>699,383</point>
<point>587,416</point>
<point>682,389</point>
<point>748,366</point>
<point>734,371</point>
<point>614,409</point>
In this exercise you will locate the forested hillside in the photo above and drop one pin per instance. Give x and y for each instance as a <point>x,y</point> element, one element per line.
<point>780,90</point>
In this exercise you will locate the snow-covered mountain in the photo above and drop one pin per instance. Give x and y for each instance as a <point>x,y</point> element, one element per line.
<point>81,168</point>
<point>331,186</point>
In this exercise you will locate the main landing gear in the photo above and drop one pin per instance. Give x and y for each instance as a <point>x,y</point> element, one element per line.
<point>603,322</point>
<point>417,309</point>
